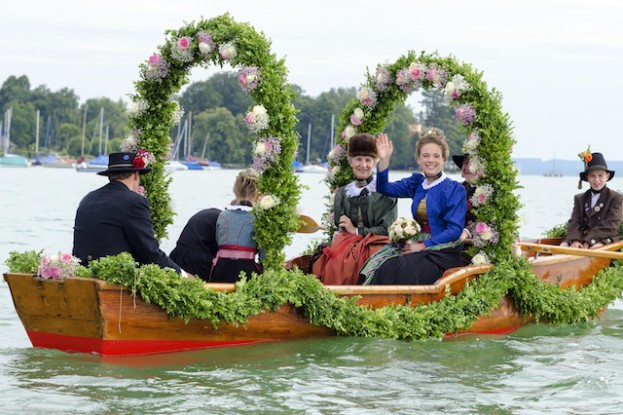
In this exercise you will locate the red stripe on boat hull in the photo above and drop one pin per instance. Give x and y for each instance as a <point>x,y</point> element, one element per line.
<point>124,347</point>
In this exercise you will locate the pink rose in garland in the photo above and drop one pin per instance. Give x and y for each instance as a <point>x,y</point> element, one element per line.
<point>257,120</point>
<point>265,152</point>
<point>249,78</point>
<point>181,50</point>
<point>356,117</point>
<point>367,96</point>
<point>228,51</point>
<point>157,68</point>
<point>58,267</point>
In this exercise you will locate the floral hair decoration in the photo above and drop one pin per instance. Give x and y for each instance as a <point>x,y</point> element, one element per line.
<point>586,156</point>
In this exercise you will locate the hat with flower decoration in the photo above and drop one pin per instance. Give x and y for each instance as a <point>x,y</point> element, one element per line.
<point>592,162</point>
<point>362,145</point>
<point>128,162</point>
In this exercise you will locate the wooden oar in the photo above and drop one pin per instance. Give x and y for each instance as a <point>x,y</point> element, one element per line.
<point>309,225</point>
<point>553,249</point>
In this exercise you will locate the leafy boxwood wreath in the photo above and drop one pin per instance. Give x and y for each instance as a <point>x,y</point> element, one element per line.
<point>153,113</point>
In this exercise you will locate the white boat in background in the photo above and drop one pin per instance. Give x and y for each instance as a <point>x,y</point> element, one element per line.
<point>174,165</point>
<point>315,168</point>
<point>13,160</point>
<point>308,167</point>
<point>10,160</point>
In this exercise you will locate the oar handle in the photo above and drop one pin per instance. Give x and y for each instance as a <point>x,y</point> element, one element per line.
<point>553,249</point>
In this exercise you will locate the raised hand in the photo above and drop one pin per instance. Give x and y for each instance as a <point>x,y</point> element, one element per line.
<point>384,148</point>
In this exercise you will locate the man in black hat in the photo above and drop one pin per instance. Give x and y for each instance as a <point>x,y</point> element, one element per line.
<point>115,218</point>
<point>598,212</point>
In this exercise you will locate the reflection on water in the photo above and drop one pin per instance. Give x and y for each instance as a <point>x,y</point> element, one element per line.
<point>570,369</point>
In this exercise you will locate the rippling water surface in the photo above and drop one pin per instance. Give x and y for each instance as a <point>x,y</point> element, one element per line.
<point>570,369</point>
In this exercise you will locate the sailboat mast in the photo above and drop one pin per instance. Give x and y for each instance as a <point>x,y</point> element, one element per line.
<point>84,128</point>
<point>190,134</point>
<point>308,141</point>
<point>332,131</point>
<point>106,142</point>
<point>205,145</point>
<point>99,149</point>
<point>7,134</point>
<point>37,135</point>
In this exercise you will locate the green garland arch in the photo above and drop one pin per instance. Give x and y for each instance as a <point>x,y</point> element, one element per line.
<point>489,146</point>
<point>153,113</point>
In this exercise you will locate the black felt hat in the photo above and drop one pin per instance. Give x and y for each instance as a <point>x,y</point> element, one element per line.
<point>597,163</point>
<point>458,160</point>
<point>124,163</point>
<point>362,145</point>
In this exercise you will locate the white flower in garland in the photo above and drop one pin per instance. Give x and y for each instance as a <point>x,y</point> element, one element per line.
<point>483,234</point>
<point>356,117</point>
<point>178,113</point>
<point>257,120</point>
<point>181,49</point>
<point>206,44</point>
<point>471,144</point>
<point>456,87</point>
<point>367,96</point>
<point>130,143</point>
<point>337,154</point>
<point>268,201</point>
<point>476,166</point>
<point>333,172</point>
<point>382,79</point>
<point>481,195</point>
<point>265,153</point>
<point>349,131</point>
<point>249,78</point>
<point>228,51</point>
<point>137,107</point>
<point>480,258</point>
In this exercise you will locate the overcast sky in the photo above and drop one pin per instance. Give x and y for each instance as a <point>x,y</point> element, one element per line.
<point>557,63</point>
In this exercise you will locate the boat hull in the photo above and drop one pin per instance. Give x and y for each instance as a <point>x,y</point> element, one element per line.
<point>91,316</point>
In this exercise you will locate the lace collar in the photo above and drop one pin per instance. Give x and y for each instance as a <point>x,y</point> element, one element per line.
<point>353,191</point>
<point>426,185</point>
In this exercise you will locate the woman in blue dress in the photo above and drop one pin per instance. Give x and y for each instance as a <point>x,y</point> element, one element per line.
<point>439,206</point>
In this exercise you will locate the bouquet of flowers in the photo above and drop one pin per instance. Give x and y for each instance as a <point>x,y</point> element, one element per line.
<point>58,267</point>
<point>403,229</point>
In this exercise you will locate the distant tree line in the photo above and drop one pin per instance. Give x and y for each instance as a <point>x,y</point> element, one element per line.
<point>218,130</point>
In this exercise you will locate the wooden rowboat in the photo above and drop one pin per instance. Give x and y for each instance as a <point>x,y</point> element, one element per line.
<point>91,316</point>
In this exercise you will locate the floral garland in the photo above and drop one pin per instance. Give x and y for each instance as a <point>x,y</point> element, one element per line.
<point>152,113</point>
<point>488,146</point>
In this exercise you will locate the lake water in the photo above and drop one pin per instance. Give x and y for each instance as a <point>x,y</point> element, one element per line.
<point>570,369</point>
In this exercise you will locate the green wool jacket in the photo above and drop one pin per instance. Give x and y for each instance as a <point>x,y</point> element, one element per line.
<point>382,212</point>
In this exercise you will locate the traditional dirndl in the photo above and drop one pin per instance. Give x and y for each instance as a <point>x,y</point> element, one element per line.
<point>389,267</point>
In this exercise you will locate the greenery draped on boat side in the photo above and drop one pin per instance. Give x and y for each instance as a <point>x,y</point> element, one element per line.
<point>188,298</point>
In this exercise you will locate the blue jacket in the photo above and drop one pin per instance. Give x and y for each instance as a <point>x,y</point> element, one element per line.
<point>446,204</point>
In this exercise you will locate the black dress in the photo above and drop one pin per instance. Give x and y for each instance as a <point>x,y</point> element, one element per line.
<point>196,247</point>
